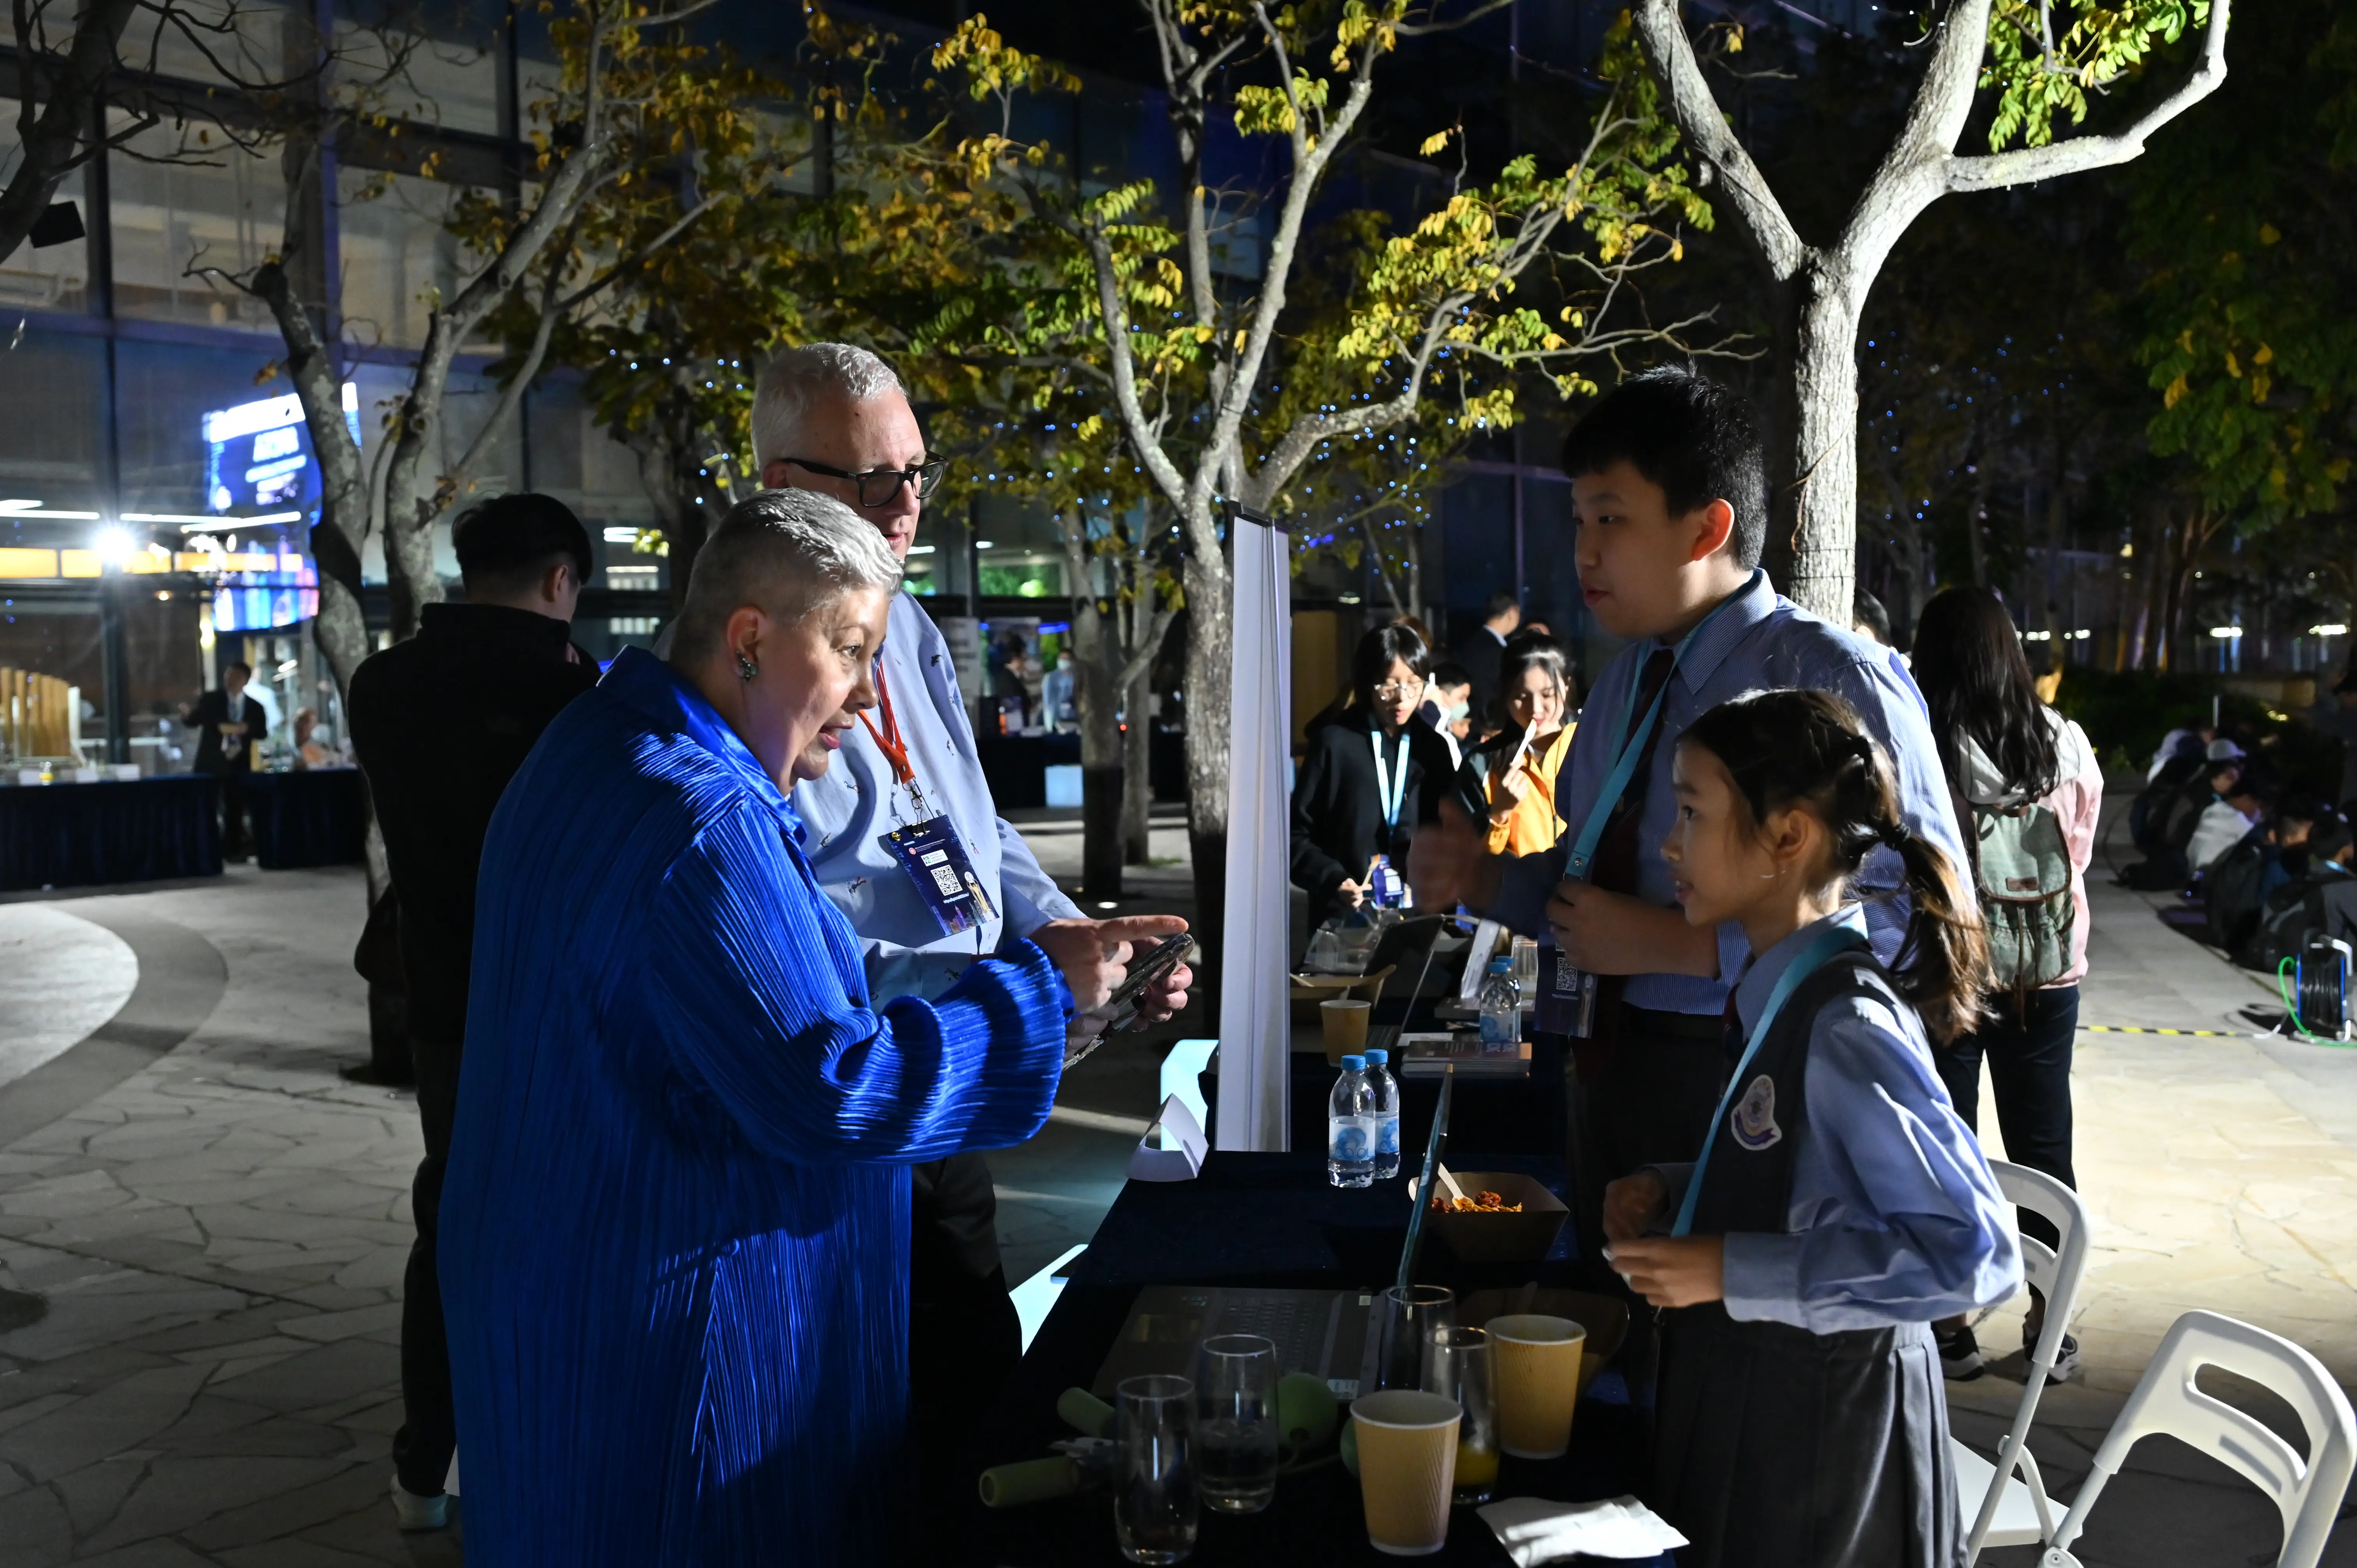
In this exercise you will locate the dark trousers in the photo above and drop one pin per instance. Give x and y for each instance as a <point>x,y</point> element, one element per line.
<point>237,838</point>
<point>1645,1099</point>
<point>2027,1045</point>
<point>964,1337</point>
<point>429,1428</point>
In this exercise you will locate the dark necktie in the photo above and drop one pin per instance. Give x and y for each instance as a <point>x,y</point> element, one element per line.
<point>1616,854</point>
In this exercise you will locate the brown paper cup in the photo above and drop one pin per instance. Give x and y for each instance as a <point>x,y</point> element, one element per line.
<point>1345,1028</point>
<point>1535,1361</point>
<point>1407,1468</point>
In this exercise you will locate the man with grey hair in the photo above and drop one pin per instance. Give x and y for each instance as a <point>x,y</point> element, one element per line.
<point>834,418</point>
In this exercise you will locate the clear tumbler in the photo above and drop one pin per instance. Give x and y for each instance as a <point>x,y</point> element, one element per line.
<point>1406,1316</point>
<point>1153,1511</point>
<point>1457,1367</point>
<point>1235,1422</point>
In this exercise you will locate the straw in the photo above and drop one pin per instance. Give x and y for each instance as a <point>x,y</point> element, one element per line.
<point>1431,1163</point>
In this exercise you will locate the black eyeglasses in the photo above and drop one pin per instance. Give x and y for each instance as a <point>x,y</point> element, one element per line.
<point>879,486</point>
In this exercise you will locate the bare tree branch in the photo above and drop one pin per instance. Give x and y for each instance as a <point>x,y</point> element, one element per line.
<point>1661,28</point>
<point>2026,166</point>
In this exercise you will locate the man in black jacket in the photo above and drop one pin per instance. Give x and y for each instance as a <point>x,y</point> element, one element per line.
<point>227,723</point>
<point>1480,654</point>
<point>441,723</point>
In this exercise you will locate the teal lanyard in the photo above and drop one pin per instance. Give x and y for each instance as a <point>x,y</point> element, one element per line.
<point>1391,797</point>
<point>1812,959</point>
<point>1616,783</point>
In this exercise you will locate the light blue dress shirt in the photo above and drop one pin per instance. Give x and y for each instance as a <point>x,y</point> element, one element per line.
<point>1895,1216</point>
<point>846,813</point>
<point>1761,641</point>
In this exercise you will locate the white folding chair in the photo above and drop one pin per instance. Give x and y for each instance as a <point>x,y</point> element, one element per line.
<point>2308,1493</point>
<point>2023,1515</point>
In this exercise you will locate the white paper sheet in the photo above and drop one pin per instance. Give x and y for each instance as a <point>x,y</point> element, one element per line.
<point>1534,1530</point>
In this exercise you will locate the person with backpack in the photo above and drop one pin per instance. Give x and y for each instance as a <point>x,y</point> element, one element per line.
<point>2028,791</point>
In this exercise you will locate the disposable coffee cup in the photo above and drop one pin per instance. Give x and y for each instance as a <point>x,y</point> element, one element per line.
<point>1407,1468</point>
<point>1535,1361</point>
<point>1345,1028</point>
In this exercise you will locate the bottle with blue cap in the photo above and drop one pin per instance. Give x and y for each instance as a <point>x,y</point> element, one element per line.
<point>1501,1008</point>
<point>1385,1089</point>
<point>1350,1127</point>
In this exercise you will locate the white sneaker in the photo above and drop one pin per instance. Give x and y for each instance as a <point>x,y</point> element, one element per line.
<point>416,1513</point>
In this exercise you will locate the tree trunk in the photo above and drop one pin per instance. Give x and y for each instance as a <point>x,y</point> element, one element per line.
<point>1096,661</point>
<point>1211,642</point>
<point>1813,462</point>
<point>1137,773</point>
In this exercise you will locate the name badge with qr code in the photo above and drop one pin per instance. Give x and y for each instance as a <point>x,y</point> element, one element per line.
<point>936,862</point>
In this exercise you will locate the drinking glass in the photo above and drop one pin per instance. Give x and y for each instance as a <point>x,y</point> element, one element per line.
<point>1526,965</point>
<point>1457,1367</point>
<point>1325,955</point>
<point>1153,1511</point>
<point>1406,1316</point>
<point>1235,1437</point>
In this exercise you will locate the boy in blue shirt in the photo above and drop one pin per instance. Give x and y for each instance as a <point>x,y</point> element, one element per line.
<point>1670,494</point>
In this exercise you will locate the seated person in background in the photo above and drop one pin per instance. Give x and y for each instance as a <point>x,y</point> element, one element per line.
<point>309,752</point>
<point>2174,778</point>
<point>2296,824</point>
<point>1512,774</point>
<point>2322,899</point>
<point>2181,745</point>
<point>2169,826</point>
<point>1372,776</point>
<point>2239,810</point>
<point>2234,888</point>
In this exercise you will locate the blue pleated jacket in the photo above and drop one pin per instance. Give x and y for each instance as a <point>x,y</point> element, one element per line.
<point>674,1231</point>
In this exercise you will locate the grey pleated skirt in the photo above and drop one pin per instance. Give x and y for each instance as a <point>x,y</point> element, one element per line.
<point>1779,1448</point>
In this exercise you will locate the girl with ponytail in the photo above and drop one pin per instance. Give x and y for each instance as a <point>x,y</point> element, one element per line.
<point>1839,1206</point>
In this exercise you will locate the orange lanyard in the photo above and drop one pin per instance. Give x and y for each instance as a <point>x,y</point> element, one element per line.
<point>887,740</point>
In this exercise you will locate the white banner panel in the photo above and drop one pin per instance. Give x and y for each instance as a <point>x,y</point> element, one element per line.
<point>1255,983</point>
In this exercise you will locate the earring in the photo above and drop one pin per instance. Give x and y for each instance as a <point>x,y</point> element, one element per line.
<point>746,668</point>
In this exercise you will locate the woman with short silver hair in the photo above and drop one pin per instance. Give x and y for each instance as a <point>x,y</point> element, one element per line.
<point>675,1231</point>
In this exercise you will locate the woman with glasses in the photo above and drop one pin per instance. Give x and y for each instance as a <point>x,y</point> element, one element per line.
<point>1512,772</point>
<point>1370,776</point>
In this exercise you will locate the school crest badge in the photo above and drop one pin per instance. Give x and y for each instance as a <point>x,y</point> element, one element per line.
<point>1753,1120</point>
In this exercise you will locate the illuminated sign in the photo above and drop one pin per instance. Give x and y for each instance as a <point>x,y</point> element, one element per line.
<point>258,455</point>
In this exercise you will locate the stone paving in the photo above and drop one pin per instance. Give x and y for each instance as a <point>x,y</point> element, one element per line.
<point>218,1232</point>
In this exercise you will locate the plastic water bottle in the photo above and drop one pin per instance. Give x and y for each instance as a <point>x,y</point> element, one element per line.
<point>1501,1007</point>
<point>1350,1127</point>
<point>1385,1089</point>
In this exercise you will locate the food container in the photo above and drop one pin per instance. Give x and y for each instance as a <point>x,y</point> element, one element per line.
<point>1499,1238</point>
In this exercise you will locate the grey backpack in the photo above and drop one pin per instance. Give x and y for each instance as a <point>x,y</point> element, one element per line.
<point>2022,867</point>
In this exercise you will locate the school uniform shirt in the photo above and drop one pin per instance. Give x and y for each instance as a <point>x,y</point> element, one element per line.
<point>846,813</point>
<point>1895,1216</point>
<point>2077,802</point>
<point>1759,641</point>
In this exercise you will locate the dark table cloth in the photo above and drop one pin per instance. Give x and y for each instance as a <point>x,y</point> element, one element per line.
<point>1257,1219</point>
<point>1017,764</point>
<point>318,817</point>
<point>80,835</point>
